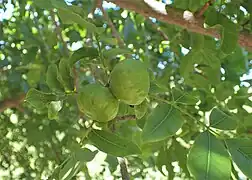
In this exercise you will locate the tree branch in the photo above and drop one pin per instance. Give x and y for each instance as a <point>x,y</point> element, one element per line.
<point>126,117</point>
<point>174,16</point>
<point>11,103</point>
<point>162,33</point>
<point>204,8</point>
<point>111,25</point>
<point>123,169</point>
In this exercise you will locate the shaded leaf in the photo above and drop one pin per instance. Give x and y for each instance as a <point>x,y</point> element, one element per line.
<point>141,109</point>
<point>197,41</point>
<point>70,17</point>
<point>181,156</point>
<point>111,53</point>
<point>224,90</point>
<point>229,30</point>
<point>51,79</point>
<point>220,120</point>
<point>65,75</point>
<point>84,155</point>
<point>165,158</point>
<point>241,152</point>
<point>112,161</point>
<point>84,52</point>
<point>39,99</point>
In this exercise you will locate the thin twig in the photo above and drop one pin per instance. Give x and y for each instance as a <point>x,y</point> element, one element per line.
<point>204,8</point>
<point>96,4</point>
<point>111,25</point>
<point>159,30</point>
<point>59,33</point>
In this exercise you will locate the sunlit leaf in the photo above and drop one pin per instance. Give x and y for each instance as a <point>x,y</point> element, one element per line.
<point>115,52</point>
<point>84,52</point>
<point>113,144</point>
<point>208,158</point>
<point>162,123</point>
<point>53,108</point>
<point>70,169</point>
<point>39,99</point>
<point>241,152</point>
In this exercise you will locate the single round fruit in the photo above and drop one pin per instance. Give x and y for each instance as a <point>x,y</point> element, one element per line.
<point>97,103</point>
<point>130,82</point>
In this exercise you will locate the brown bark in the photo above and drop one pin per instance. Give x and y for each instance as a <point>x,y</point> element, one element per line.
<point>11,103</point>
<point>155,9</point>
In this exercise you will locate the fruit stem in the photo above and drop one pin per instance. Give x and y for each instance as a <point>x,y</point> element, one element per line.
<point>100,51</point>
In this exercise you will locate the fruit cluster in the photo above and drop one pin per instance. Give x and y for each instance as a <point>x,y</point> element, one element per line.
<point>129,83</point>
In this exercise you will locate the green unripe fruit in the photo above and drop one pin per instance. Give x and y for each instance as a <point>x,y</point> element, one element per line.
<point>97,103</point>
<point>130,82</point>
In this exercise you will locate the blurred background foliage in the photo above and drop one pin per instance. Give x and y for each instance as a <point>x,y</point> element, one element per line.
<point>41,144</point>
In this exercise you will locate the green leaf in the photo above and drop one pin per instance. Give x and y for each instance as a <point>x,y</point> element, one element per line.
<point>113,144</point>
<point>141,109</point>
<point>180,153</point>
<point>195,5</point>
<point>220,120</point>
<point>65,75</point>
<point>124,109</point>
<point>183,97</point>
<point>111,53</point>
<point>33,77</point>
<point>112,161</point>
<point>241,152</point>
<point>165,158</point>
<point>247,121</point>
<point>229,30</point>
<point>208,158</point>
<point>229,35</point>
<point>70,17</point>
<point>108,40</point>
<point>207,70</point>
<point>84,52</point>
<point>39,99</point>
<point>197,41</point>
<point>59,4</point>
<point>224,90</point>
<point>162,123</point>
<point>53,108</point>
<point>70,169</point>
<point>51,79</point>
<point>84,155</point>
<point>43,4</point>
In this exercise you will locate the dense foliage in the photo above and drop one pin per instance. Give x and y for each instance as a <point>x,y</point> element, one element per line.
<point>80,81</point>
